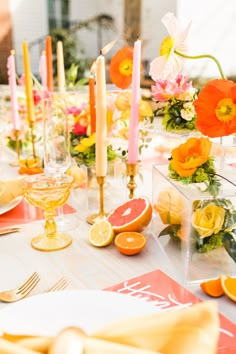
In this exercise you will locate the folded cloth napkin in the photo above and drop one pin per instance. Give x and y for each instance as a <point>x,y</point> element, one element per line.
<point>193,330</point>
<point>9,190</point>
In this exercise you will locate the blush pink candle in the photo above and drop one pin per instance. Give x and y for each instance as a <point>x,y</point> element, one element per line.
<point>134,115</point>
<point>43,70</point>
<point>101,118</point>
<point>13,92</point>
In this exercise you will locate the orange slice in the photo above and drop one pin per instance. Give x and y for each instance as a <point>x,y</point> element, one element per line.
<point>101,233</point>
<point>213,287</point>
<point>229,286</point>
<point>130,243</point>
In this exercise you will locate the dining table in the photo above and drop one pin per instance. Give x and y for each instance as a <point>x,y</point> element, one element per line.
<point>81,264</point>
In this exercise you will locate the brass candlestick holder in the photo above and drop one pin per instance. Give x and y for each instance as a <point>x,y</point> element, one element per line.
<point>17,139</point>
<point>31,126</point>
<point>101,215</point>
<point>131,171</point>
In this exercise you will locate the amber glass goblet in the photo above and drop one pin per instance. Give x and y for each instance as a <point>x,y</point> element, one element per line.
<point>48,193</point>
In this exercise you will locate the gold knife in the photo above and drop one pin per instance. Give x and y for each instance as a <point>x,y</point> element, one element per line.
<point>9,230</point>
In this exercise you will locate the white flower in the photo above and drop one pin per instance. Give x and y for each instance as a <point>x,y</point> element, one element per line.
<point>168,64</point>
<point>188,111</point>
<point>188,95</point>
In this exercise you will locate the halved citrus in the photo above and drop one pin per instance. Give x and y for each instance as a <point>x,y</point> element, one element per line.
<point>101,233</point>
<point>133,215</point>
<point>229,286</point>
<point>212,287</point>
<point>130,243</point>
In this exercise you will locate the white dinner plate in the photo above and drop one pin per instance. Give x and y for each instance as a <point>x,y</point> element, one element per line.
<point>6,207</point>
<point>47,314</point>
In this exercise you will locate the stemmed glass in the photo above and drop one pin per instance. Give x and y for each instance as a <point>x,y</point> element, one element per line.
<point>57,157</point>
<point>48,193</point>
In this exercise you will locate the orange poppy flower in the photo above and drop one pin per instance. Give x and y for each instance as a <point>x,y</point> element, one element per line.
<point>216,108</point>
<point>121,67</point>
<point>187,157</point>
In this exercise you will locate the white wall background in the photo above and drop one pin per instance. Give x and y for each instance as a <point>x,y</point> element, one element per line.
<point>30,22</point>
<point>213,29</point>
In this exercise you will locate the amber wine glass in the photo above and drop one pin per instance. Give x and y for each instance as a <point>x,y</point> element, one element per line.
<point>48,193</point>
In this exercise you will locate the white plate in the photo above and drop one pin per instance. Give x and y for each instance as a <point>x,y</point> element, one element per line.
<point>6,207</point>
<point>47,314</point>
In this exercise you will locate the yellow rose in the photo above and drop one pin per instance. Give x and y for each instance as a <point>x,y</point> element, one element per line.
<point>170,206</point>
<point>209,220</point>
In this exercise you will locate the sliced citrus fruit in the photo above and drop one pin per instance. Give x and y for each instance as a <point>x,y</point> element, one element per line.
<point>229,286</point>
<point>133,215</point>
<point>101,233</point>
<point>130,243</point>
<point>212,287</point>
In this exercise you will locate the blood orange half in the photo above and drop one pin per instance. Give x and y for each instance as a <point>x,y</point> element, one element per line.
<point>133,215</point>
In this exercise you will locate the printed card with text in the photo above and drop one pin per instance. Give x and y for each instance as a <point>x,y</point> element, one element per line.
<point>167,294</point>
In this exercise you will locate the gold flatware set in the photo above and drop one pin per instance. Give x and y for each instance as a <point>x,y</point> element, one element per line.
<point>27,286</point>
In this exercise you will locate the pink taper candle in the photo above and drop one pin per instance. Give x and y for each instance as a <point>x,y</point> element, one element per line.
<point>43,70</point>
<point>134,116</point>
<point>101,118</point>
<point>13,93</point>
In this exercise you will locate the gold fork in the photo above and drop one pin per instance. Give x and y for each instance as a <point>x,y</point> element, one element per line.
<point>20,292</point>
<point>61,284</point>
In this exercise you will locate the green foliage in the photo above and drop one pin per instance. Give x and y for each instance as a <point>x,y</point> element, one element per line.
<point>88,156</point>
<point>204,174</point>
<point>210,243</point>
<point>70,50</point>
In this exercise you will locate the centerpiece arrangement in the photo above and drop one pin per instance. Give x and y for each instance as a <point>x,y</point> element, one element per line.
<point>195,205</point>
<point>175,103</point>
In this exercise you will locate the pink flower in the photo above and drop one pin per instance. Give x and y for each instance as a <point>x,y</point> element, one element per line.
<point>76,111</point>
<point>163,90</point>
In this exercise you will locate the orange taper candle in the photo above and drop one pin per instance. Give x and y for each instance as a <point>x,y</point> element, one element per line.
<point>28,83</point>
<point>49,63</point>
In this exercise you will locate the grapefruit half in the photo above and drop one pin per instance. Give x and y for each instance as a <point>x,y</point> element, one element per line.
<point>133,215</point>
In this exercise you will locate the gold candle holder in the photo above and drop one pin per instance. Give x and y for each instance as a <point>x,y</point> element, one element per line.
<point>17,139</point>
<point>101,215</point>
<point>31,126</point>
<point>131,171</point>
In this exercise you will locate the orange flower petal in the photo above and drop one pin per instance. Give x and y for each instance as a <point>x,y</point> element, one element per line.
<point>207,122</point>
<point>117,77</point>
<point>187,157</point>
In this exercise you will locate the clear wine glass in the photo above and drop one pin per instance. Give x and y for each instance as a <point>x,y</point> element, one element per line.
<point>56,140</point>
<point>57,158</point>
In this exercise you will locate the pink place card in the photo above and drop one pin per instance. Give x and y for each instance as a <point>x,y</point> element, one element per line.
<point>166,293</point>
<point>24,213</point>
